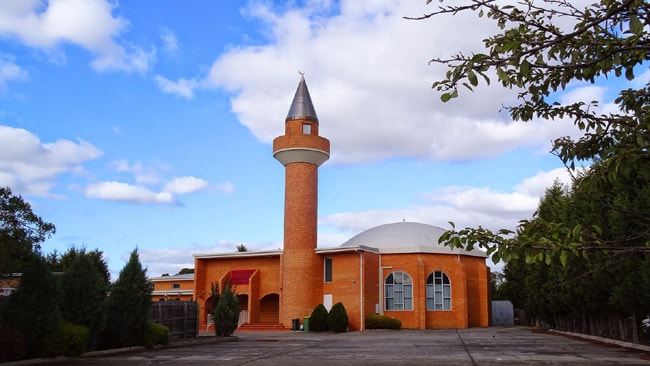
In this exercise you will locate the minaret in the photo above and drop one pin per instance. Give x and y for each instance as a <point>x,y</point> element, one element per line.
<point>301,151</point>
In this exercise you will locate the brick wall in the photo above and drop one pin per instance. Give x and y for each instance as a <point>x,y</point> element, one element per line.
<point>468,290</point>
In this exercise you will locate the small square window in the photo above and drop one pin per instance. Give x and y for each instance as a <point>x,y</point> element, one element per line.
<point>176,285</point>
<point>328,269</point>
<point>306,129</point>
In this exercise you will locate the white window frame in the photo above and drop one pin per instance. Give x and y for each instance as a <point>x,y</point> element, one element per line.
<point>398,292</point>
<point>438,291</point>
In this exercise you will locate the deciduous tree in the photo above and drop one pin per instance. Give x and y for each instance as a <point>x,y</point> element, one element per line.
<point>544,46</point>
<point>21,231</point>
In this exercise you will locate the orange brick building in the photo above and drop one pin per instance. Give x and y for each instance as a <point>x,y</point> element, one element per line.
<point>178,287</point>
<point>398,270</point>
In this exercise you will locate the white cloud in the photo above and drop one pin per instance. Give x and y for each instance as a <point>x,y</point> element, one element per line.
<point>182,87</point>
<point>118,191</point>
<point>86,23</point>
<point>185,185</point>
<point>368,74</point>
<point>30,166</point>
<point>145,176</point>
<point>536,186</point>
<point>9,71</point>
<point>226,187</point>
<point>142,174</point>
<point>170,42</point>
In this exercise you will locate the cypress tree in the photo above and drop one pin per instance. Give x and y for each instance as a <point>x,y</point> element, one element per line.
<point>226,314</point>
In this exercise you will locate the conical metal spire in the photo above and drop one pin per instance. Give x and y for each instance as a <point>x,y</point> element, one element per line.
<point>302,107</point>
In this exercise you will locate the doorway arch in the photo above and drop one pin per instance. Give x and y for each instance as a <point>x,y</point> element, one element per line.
<point>270,309</point>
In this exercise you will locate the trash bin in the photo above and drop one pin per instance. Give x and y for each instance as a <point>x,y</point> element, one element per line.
<point>305,322</point>
<point>295,324</point>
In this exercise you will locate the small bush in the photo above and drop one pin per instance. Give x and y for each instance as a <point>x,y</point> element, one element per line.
<point>69,340</point>
<point>376,321</point>
<point>156,334</point>
<point>337,319</point>
<point>318,319</point>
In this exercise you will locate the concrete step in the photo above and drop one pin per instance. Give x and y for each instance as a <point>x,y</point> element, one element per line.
<point>262,327</point>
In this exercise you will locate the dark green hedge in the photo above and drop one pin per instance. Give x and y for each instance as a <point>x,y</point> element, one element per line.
<point>376,321</point>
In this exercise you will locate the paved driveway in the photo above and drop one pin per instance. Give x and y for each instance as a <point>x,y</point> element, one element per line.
<point>477,346</point>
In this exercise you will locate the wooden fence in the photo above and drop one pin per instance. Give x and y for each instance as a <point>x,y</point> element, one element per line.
<point>181,317</point>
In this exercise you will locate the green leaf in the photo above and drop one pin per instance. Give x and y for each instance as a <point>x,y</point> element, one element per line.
<point>563,257</point>
<point>471,76</point>
<point>503,76</point>
<point>524,68</point>
<point>445,97</point>
<point>495,258</point>
<point>635,24</point>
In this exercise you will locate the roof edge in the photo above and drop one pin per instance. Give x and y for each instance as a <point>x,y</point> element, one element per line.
<point>362,248</point>
<point>239,254</point>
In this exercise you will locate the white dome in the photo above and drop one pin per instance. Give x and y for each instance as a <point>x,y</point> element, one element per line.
<point>406,237</point>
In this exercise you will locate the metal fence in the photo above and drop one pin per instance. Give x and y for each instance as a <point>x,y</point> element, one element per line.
<point>181,317</point>
<point>502,313</point>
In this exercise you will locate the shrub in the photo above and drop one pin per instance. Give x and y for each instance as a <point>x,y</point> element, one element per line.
<point>337,319</point>
<point>376,321</point>
<point>69,340</point>
<point>318,319</point>
<point>158,334</point>
<point>226,314</point>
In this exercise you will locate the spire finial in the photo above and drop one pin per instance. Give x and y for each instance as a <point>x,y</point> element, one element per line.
<point>302,107</point>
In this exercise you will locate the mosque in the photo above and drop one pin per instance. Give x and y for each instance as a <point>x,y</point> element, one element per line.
<point>397,269</point>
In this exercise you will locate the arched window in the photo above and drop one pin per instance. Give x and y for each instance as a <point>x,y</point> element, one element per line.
<point>398,291</point>
<point>438,291</point>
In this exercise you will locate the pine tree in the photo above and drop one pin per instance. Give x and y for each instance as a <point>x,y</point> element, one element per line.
<point>84,294</point>
<point>129,305</point>
<point>33,311</point>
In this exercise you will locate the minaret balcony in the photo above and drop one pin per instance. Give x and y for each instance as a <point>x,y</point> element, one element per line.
<point>301,148</point>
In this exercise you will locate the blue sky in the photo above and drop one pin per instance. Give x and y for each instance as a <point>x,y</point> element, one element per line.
<point>128,124</point>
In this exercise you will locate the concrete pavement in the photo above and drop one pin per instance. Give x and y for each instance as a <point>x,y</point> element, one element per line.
<point>475,346</point>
